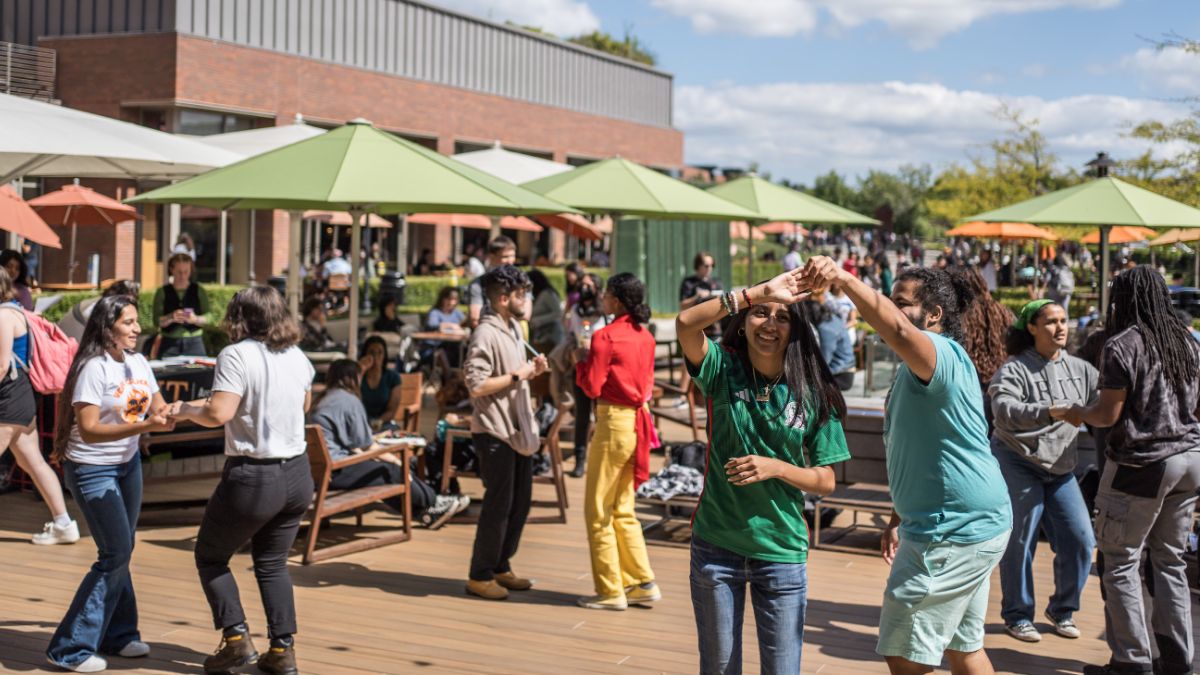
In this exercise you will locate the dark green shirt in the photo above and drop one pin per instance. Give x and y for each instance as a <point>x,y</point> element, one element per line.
<point>764,521</point>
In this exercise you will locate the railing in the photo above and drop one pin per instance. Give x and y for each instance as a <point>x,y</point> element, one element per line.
<point>881,363</point>
<point>28,71</point>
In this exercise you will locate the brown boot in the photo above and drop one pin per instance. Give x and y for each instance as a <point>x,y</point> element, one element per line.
<point>235,651</point>
<point>488,590</point>
<point>279,661</point>
<point>513,582</point>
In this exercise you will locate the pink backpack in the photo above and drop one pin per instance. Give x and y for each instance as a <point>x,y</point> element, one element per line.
<point>51,352</point>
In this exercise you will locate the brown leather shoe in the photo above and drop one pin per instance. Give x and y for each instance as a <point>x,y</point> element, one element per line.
<point>279,661</point>
<point>488,590</point>
<point>513,582</point>
<point>235,651</point>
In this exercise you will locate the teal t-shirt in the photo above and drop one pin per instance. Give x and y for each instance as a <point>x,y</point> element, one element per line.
<point>763,521</point>
<point>945,483</point>
<point>375,399</point>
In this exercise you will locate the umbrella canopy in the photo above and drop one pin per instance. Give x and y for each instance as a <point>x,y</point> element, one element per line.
<point>344,218</point>
<point>354,167</point>
<point>620,186</point>
<point>18,217</point>
<point>1122,234</point>
<point>783,227</point>
<point>253,142</point>
<point>576,226</point>
<point>41,139</point>
<point>513,167</point>
<point>79,205</point>
<point>1103,201</point>
<point>1176,236</point>
<point>740,229</point>
<point>473,221</point>
<point>988,230</point>
<point>776,202</point>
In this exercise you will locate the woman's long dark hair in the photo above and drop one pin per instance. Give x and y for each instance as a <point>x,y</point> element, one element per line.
<point>97,339</point>
<point>8,255</point>
<point>1140,298</point>
<point>1019,339</point>
<point>808,376</point>
<point>939,288</point>
<point>344,374</point>
<point>631,293</point>
<point>985,324</point>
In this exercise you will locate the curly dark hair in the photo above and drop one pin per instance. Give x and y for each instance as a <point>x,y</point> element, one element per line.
<point>503,280</point>
<point>938,288</point>
<point>8,255</point>
<point>985,324</point>
<point>631,293</point>
<point>258,313</point>
<point>1140,299</point>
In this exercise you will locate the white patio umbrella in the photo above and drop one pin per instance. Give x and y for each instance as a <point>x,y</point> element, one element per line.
<point>514,167</point>
<point>42,139</point>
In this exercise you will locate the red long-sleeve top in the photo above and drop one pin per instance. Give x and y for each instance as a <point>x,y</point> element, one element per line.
<point>620,370</point>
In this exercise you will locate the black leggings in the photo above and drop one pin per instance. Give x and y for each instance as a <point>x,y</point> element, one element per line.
<point>583,424</point>
<point>375,472</point>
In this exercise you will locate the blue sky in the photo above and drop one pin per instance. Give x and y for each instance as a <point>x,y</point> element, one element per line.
<point>805,86</point>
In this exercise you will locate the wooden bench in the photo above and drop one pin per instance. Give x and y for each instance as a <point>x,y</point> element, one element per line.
<point>328,503</point>
<point>861,481</point>
<point>692,414</point>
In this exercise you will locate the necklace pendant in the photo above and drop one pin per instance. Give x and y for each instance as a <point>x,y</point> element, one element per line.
<point>764,395</point>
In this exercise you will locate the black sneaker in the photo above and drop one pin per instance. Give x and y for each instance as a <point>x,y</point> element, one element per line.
<point>577,471</point>
<point>443,509</point>
<point>279,661</point>
<point>235,651</point>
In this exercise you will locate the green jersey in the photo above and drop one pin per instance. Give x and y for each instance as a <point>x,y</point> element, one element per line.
<point>764,521</point>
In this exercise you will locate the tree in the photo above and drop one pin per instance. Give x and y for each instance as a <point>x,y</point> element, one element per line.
<point>629,47</point>
<point>902,195</point>
<point>833,188</point>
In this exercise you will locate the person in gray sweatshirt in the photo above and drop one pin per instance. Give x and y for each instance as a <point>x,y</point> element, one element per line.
<point>1037,455</point>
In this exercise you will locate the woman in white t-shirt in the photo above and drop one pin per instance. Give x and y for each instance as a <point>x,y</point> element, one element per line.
<point>109,400</point>
<point>261,391</point>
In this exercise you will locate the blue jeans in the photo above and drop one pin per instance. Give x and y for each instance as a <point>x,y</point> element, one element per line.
<point>103,616</point>
<point>779,593</point>
<point>1054,503</point>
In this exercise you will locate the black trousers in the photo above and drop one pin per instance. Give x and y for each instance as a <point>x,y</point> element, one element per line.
<point>185,346</point>
<point>583,424</point>
<point>260,503</point>
<point>508,488</point>
<point>375,472</point>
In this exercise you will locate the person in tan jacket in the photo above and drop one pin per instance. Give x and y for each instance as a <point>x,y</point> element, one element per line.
<point>503,430</point>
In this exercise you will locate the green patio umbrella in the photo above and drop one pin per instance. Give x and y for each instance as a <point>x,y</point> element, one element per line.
<point>355,168</point>
<point>1104,202</point>
<point>777,202</point>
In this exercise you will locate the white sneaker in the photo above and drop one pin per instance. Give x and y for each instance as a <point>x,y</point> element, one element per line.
<point>52,534</point>
<point>1024,631</point>
<point>92,664</point>
<point>462,502</point>
<point>134,650</point>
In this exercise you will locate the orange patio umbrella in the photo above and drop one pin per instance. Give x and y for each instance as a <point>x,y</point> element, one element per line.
<point>18,217</point>
<point>1120,234</point>
<point>985,230</point>
<point>474,221</point>
<point>76,205</point>
<point>576,226</point>
<point>783,227</point>
<point>740,229</point>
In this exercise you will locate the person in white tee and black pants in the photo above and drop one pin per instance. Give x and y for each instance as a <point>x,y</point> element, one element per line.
<point>261,390</point>
<point>109,399</point>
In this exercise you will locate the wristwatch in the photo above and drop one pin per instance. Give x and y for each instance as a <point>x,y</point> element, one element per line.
<point>516,378</point>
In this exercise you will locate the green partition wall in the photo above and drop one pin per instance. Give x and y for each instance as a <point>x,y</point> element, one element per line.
<point>660,252</point>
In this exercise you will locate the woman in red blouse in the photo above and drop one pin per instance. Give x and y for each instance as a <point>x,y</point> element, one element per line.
<point>617,370</point>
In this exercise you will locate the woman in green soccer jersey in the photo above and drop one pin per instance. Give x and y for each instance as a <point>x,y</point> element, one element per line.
<point>774,429</point>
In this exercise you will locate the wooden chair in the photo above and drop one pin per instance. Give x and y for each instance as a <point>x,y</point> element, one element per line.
<point>692,414</point>
<point>328,503</point>
<point>408,415</point>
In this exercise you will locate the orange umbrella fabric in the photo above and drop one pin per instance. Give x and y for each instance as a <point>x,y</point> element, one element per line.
<point>344,218</point>
<point>783,227</point>
<point>78,205</point>
<point>1121,234</point>
<point>474,221</point>
<point>18,217</point>
<point>576,226</point>
<point>985,230</point>
<point>740,229</point>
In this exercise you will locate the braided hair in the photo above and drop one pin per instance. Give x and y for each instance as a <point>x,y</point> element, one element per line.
<point>1140,299</point>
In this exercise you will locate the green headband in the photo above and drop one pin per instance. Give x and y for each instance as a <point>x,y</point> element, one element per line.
<point>1028,312</point>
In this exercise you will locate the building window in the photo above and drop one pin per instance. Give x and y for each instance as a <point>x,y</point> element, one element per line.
<point>208,123</point>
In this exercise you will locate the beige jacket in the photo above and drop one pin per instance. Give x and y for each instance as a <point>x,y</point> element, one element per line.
<point>496,349</point>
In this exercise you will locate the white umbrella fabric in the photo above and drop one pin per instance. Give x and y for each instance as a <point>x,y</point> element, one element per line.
<point>514,167</point>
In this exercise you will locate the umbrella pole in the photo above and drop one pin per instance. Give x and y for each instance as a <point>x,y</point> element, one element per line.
<point>402,245</point>
<point>370,272</point>
<point>750,250</point>
<point>293,277</point>
<point>222,246</point>
<point>1196,265</point>
<point>355,240</point>
<point>71,264</point>
<point>1104,272</point>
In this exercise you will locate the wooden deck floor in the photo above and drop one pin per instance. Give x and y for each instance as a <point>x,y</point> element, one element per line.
<point>402,609</point>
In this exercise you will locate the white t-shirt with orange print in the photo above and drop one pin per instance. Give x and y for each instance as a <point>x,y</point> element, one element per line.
<point>123,390</point>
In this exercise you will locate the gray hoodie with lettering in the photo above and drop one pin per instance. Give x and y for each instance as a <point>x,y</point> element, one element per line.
<point>1022,393</point>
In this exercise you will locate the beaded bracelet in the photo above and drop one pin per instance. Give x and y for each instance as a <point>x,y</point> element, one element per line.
<point>725,302</point>
<point>735,302</point>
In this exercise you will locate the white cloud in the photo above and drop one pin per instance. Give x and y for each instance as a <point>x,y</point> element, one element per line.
<point>561,17</point>
<point>1173,69</point>
<point>921,22</point>
<point>800,130</point>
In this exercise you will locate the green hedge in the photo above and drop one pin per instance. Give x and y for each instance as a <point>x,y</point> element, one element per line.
<point>421,291</point>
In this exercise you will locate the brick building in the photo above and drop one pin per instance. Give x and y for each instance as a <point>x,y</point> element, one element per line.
<point>450,81</point>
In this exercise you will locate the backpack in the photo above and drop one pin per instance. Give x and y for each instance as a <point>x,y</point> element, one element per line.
<point>51,352</point>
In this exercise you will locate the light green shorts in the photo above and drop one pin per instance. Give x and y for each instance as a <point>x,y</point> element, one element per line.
<point>936,599</point>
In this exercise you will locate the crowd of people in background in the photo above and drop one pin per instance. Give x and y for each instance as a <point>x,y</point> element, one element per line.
<point>983,432</point>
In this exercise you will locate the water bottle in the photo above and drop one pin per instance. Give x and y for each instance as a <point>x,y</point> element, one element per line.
<point>585,336</point>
